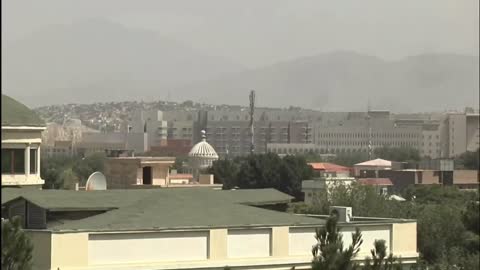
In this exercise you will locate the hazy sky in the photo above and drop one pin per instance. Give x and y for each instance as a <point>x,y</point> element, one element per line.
<point>260,32</point>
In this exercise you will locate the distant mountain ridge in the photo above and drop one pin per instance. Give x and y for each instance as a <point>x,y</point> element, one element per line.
<point>347,81</point>
<point>99,61</point>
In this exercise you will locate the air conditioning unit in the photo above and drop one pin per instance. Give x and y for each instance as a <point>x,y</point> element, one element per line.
<point>344,213</point>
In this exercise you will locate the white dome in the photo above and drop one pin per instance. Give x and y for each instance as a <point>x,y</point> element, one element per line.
<point>203,150</point>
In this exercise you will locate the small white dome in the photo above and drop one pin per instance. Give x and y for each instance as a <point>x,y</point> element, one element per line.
<point>203,149</point>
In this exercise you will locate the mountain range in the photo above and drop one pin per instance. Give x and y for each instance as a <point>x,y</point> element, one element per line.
<point>100,61</point>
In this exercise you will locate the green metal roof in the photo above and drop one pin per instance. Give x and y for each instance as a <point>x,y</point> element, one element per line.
<point>164,208</point>
<point>15,114</point>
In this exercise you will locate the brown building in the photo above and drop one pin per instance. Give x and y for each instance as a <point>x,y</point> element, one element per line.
<point>173,148</point>
<point>132,172</point>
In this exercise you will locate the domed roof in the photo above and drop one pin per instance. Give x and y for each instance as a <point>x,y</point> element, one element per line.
<point>203,149</point>
<point>16,114</point>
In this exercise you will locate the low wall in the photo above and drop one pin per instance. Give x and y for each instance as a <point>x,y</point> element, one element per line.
<point>244,248</point>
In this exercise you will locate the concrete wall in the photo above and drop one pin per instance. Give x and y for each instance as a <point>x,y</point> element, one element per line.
<point>147,247</point>
<point>465,176</point>
<point>69,249</point>
<point>248,243</point>
<point>251,248</point>
<point>160,174</point>
<point>24,136</point>
<point>42,249</point>
<point>120,173</point>
<point>301,240</point>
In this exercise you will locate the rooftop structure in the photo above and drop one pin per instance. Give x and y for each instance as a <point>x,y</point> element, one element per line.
<point>182,229</point>
<point>15,114</point>
<point>201,156</point>
<point>21,141</point>
<point>131,172</point>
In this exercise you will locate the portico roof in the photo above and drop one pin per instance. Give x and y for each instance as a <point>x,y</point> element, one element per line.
<point>16,114</point>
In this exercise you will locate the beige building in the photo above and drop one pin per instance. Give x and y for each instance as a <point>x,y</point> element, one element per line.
<point>311,188</point>
<point>187,228</point>
<point>21,141</point>
<point>460,133</point>
<point>131,172</point>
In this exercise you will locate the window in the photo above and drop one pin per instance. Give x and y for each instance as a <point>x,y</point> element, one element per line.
<point>33,161</point>
<point>13,161</point>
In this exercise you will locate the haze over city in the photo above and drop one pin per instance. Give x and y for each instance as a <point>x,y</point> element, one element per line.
<point>335,56</point>
<point>235,135</point>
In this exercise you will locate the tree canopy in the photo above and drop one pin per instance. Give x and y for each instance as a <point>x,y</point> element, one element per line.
<point>263,171</point>
<point>63,172</point>
<point>399,154</point>
<point>447,218</point>
<point>16,246</point>
<point>468,160</point>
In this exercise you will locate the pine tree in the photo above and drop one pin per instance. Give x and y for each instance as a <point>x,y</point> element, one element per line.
<point>329,254</point>
<point>380,260</point>
<point>16,246</point>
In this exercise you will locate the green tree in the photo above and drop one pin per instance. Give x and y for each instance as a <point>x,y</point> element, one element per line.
<point>471,217</point>
<point>83,167</point>
<point>225,171</point>
<point>16,246</point>
<point>400,154</point>
<point>468,160</point>
<point>447,218</point>
<point>68,179</point>
<point>380,260</point>
<point>293,170</point>
<point>178,165</point>
<point>329,254</point>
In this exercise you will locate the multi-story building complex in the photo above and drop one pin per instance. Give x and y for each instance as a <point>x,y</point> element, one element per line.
<point>233,137</point>
<point>360,130</point>
<point>60,149</point>
<point>460,133</point>
<point>149,122</point>
<point>434,135</point>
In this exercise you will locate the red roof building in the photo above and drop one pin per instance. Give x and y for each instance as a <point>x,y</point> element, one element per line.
<point>328,167</point>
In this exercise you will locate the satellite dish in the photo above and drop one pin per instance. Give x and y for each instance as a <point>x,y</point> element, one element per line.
<point>96,181</point>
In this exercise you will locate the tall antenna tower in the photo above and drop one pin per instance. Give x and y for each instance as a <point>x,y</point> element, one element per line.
<point>369,131</point>
<point>252,111</point>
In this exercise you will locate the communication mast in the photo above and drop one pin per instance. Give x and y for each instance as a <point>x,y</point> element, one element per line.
<point>252,111</point>
<point>369,132</point>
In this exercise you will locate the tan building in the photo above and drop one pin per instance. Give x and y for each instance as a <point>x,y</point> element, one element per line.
<point>187,228</point>
<point>461,133</point>
<point>311,188</point>
<point>21,141</point>
<point>131,172</point>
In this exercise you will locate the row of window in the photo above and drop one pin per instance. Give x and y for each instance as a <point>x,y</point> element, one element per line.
<point>364,143</point>
<point>366,135</point>
<point>13,161</point>
<point>318,151</point>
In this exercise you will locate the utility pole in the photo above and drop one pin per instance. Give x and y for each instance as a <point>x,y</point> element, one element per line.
<point>252,111</point>
<point>369,131</point>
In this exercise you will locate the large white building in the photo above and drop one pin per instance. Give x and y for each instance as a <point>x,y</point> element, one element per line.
<point>21,143</point>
